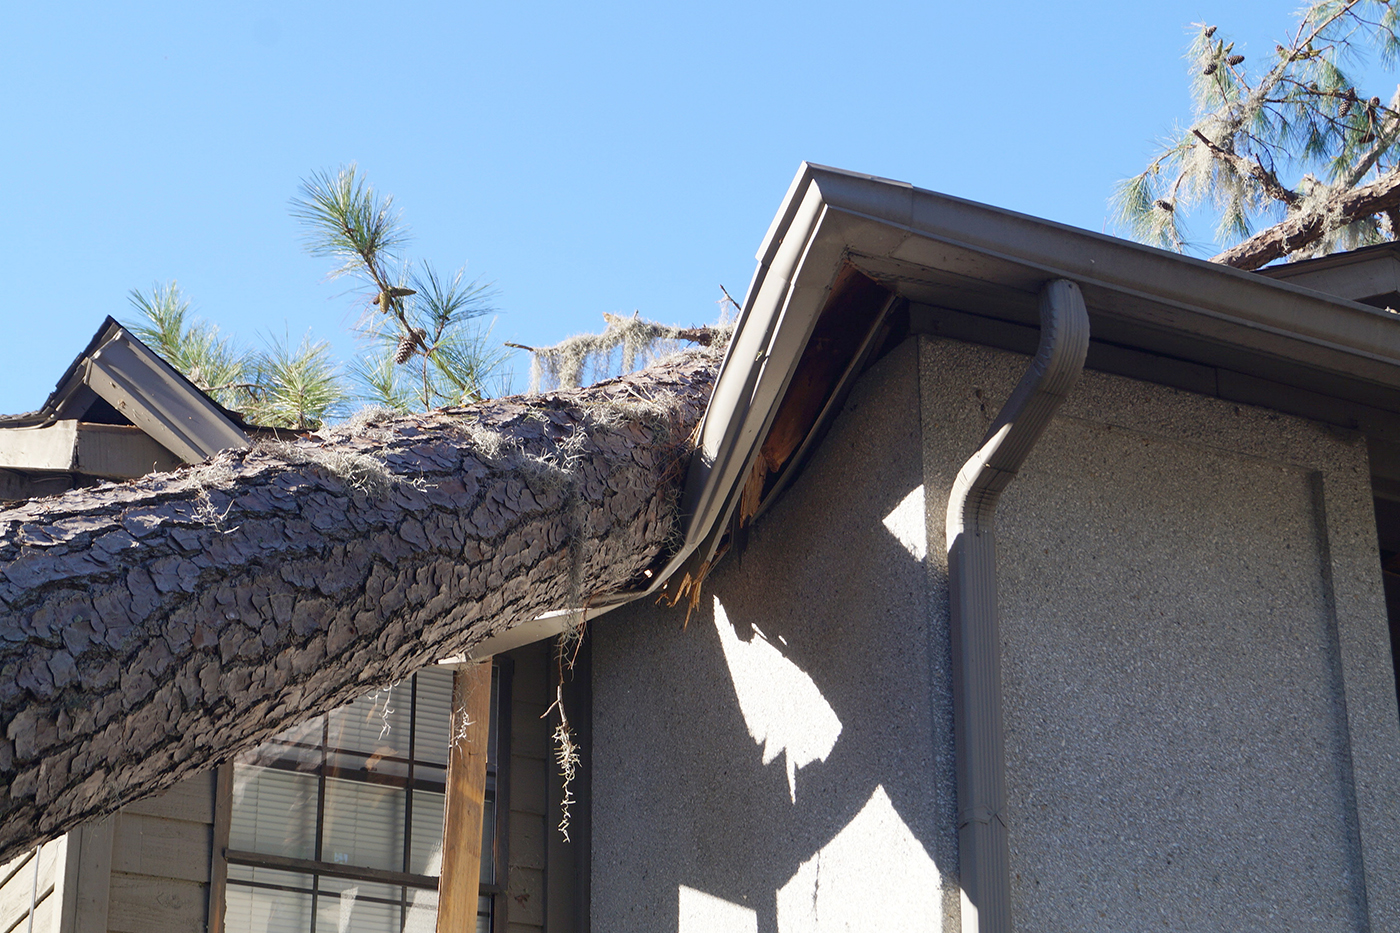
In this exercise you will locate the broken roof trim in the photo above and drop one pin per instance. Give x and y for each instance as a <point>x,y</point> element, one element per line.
<point>121,370</point>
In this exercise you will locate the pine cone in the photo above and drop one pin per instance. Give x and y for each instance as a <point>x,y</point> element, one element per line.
<point>1375,102</point>
<point>1345,108</point>
<point>407,344</point>
<point>1209,69</point>
<point>1210,31</point>
<point>1235,59</point>
<point>1164,204</point>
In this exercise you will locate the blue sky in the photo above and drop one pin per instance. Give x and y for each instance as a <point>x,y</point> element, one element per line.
<point>585,158</point>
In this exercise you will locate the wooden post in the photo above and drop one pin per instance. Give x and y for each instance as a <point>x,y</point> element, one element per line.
<point>218,863</point>
<point>459,885</point>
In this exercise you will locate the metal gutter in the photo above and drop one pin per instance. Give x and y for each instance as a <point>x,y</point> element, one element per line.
<point>983,852</point>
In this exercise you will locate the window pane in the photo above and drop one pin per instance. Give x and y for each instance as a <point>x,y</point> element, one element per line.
<point>434,721</point>
<point>358,907</point>
<point>483,915</point>
<point>488,836</point>
<point>274,812</point>
<point>259,910</point>
<point>376,724</point>
<point>426,856</point>
<point>422,911</point>
<point>363,824</point>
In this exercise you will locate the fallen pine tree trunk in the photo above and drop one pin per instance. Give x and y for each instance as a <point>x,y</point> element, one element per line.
<point>151,629</point>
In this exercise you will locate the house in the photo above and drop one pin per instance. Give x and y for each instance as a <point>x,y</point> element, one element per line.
<point>1153,686</point>
<point>1185,715</point>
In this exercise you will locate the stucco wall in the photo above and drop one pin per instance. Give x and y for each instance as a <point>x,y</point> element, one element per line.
<point>1201,723</point>
<point>692,831</point>
<point>1201,727</point>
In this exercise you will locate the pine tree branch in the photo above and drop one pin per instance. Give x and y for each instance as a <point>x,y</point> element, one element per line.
<point>1385,138</point>
<point>1267,179</point>
<point>1345,207</point>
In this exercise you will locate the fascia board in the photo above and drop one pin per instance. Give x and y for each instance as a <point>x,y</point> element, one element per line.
<point>745,400</point>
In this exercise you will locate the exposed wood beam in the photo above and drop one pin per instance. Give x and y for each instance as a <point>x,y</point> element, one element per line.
<point>459,885</point>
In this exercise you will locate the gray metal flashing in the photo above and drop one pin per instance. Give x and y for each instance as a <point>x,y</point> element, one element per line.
<point>1358,274</point>
<point>159,400</point>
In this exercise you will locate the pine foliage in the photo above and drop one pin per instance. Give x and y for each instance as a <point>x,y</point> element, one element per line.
<point>1285,138</point>
<point>194,347</point>
<point>425,346</point>
<point>279,386</point>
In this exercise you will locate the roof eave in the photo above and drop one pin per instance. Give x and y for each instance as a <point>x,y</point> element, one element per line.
<point>961,254</point>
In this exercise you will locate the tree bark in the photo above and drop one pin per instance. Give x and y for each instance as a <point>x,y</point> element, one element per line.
<point>151,629</point>
<point>1307,228</point>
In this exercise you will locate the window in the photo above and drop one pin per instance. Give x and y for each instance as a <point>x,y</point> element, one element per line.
<point>337,823</point>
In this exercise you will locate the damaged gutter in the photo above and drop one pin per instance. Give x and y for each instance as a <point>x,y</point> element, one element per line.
<point>926,247</point>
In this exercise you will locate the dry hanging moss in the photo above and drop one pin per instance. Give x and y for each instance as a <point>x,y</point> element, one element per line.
<point>625,341</point>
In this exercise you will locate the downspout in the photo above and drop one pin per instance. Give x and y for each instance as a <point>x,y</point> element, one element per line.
<point>984,857</point>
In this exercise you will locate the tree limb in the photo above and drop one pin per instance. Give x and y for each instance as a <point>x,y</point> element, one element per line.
<point>1307,228</point>
<point>1267,180</point>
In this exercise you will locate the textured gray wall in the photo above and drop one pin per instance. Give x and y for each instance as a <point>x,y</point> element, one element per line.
<point>692,831</point>
<point>1202,732</point>
<point>1178,684</point>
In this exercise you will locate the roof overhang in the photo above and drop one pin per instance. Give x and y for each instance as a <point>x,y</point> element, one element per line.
<point>852,263</point>
<point>974,271</point>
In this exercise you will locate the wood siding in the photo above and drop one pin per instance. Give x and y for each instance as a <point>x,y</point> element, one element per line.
<point>161,849</point>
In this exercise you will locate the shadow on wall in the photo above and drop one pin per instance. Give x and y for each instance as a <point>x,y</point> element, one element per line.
<point>779,765</point>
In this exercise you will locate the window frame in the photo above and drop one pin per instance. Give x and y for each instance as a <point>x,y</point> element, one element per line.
<point>498,779</point>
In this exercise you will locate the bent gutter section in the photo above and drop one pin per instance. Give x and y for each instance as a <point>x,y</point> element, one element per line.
<point>984,856</point>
